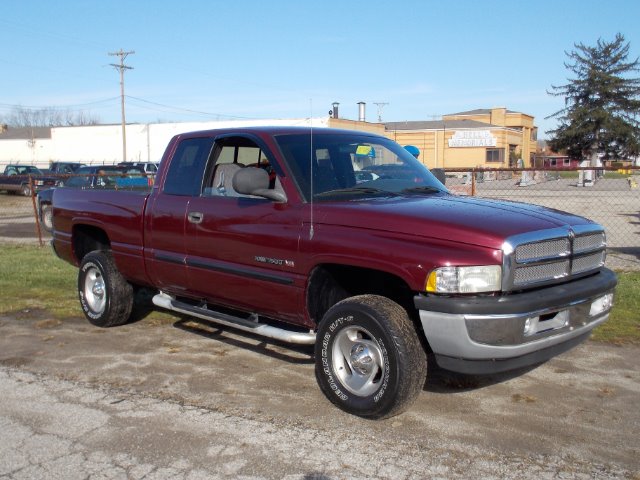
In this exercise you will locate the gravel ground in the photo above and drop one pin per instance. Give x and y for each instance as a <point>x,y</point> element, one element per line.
<point>182,399</point>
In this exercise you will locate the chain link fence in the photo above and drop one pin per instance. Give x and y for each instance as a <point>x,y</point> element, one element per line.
<point>610,197</point>
<point>24,198</point>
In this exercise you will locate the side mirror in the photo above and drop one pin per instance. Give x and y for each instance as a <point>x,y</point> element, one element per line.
<point>255,181</point>
<point>439,174</point>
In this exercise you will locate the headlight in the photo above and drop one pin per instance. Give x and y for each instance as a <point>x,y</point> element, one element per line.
<point>487,278</point>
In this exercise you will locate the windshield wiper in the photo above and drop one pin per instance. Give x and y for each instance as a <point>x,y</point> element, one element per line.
<point>422,190</point>
<point>365,191</point>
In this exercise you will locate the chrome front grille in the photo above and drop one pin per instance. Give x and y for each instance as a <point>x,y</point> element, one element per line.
<point>545,249</point>
<point>552,256</point>
<point>525,275</point>
<point>587,262</point>
<point>589,242</point>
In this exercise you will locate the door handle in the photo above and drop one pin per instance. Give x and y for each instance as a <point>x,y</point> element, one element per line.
<point>195,217</point>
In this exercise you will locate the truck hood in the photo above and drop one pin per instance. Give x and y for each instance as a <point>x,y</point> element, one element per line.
<point>468,220</point>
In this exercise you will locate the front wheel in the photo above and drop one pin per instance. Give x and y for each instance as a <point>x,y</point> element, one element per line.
<point>369,359</point>
<point>25,190</point>
<point>105,296</point>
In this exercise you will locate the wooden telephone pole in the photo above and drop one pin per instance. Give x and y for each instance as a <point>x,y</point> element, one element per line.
<point>122,67</point>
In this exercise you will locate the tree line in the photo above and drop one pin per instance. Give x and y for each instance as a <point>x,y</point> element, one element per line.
<point>21,117</point>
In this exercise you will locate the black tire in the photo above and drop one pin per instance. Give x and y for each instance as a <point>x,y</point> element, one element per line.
<point>105,296</point>
<point>46,217</point>
<point>25,190</point>
<point>369,359</point>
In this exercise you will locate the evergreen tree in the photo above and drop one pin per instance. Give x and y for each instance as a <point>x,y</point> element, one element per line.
<point>602,104</point>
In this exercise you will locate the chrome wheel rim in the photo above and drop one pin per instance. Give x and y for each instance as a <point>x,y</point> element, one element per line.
<point>357,361</point>
<point>95,294</point>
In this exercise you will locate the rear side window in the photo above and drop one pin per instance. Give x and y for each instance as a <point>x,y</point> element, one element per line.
<point>187,167</point>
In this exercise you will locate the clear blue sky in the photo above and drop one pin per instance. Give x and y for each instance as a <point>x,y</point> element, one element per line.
<point>293,58</point>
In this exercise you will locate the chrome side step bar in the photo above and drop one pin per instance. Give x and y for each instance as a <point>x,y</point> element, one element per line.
<point>247,325</point>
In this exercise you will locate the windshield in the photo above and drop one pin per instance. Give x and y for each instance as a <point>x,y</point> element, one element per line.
<point>26,170</point>
<point>347,166</point>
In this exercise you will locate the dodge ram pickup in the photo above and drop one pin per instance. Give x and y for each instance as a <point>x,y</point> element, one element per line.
<point>341,240</point>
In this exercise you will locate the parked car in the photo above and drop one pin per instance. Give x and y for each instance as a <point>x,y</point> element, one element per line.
<point>63,170</point>
<point>88,177</point>
<point>147,167</point>
<point>64,167</point>
<point>15,179</point>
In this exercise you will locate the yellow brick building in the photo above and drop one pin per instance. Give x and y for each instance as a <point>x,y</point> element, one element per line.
<point>489,138</point>
<point>486,138</point>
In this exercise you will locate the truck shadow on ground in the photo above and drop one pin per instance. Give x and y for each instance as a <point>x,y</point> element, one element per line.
<point>438,380</point>
<point>631,251</point>
<point>286,352</point>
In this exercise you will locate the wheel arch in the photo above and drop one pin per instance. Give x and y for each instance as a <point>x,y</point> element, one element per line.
<point>87,238</point>
<point>330,282</point>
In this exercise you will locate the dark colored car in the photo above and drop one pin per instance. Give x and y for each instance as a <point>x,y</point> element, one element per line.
<point>63,170</point>
<point>15,179</point>
<point>64,167</point>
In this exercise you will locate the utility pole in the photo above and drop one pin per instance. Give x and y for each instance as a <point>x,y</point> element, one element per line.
<point>122,67</point>
<point>380,106</point>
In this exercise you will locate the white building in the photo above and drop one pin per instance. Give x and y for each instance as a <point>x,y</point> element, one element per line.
<point>102,144</point>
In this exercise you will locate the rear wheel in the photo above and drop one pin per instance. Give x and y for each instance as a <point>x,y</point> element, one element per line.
<point>46,215</point>
<point>369,359</point>
<point>105,296</point>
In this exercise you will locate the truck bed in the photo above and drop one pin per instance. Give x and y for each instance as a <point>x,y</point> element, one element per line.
<point>120,212</point>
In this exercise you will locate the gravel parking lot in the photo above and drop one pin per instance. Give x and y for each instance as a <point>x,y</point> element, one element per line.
<point>183,399</point>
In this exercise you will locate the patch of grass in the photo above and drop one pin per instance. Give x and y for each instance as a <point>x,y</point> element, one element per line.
<point>609,174</point>
<point>34,278</point>
<point>565,174</point>
<point>623,325</point>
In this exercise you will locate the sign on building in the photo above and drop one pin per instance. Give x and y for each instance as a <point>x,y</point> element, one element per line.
<point>474,138</point>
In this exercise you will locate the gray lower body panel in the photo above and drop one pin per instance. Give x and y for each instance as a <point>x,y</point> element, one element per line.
<point>476,341</point>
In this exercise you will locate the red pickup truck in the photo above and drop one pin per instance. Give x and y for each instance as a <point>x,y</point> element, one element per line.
<point>342,240</point>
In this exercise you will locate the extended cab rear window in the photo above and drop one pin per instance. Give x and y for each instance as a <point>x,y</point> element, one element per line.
<point>186,170</point>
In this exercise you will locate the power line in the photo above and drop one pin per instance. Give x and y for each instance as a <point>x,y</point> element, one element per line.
<point>208,114</point>
<point>121,68</point>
